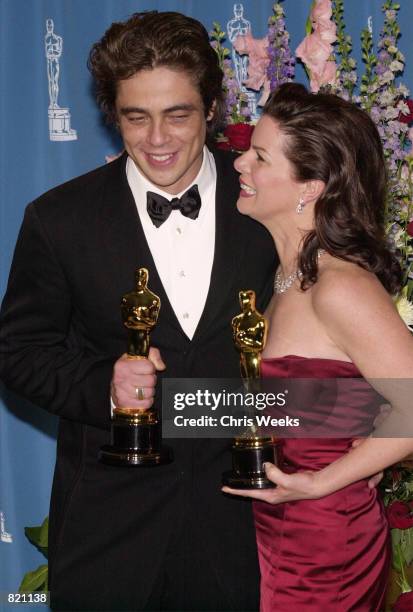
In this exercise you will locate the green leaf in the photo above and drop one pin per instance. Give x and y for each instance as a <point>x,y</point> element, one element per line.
<point>39,536</point>
<point>406,544</point>
<point>395,537</point>
<point>35,581</point>
<point>308,23</point>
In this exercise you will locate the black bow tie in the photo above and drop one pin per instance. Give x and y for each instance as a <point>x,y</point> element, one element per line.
<point>159,208</point>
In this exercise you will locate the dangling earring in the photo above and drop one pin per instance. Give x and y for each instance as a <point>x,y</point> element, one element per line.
<point>300,206</point>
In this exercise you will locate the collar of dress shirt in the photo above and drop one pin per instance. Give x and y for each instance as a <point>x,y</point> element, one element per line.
<point>205,179</point>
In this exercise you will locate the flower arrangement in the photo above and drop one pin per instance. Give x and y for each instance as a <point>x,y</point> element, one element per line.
<point>397,489</point>
<point>387,102</point>
<point>270,64</point>
<point>326,52</point>
<point>237,133</point>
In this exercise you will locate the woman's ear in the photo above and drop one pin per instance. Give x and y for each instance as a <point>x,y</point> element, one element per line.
<point>312,190</point>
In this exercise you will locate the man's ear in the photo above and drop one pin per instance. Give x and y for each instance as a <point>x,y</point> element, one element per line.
<point>312,190</point>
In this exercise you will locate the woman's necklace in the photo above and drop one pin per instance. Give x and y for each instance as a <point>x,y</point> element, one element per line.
<point>281,284</point>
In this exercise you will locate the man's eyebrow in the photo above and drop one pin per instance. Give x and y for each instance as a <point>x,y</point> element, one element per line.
<point>132,109</point>
<point>180,107</point>
<point>125,110</point>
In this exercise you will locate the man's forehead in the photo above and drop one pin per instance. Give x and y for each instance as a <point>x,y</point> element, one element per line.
<point>160,88</point>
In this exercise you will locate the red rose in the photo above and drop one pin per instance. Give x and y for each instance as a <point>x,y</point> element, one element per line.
<point>404,603</point>
<point>239,136</point>
<point>407,118</point>
<point>399,515</point>
<point>223,144</point>
<point>409,228</point>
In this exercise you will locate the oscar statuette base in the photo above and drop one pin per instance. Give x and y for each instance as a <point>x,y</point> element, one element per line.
<point>135,444</point>
<point>248,456</point>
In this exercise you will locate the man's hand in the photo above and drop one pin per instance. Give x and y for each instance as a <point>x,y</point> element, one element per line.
<point>131,375</point>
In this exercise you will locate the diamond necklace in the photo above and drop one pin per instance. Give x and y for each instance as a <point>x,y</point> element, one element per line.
<point>281,285</point>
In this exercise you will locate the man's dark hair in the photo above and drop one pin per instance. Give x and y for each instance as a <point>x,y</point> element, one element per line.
<point>334,141</point>
<point>151,39</point>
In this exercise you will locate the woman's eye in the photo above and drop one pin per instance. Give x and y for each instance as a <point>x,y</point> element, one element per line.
<point>259,156</point>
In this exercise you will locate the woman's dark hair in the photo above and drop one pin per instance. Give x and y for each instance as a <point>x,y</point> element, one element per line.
<point>334,141</point>
<point>151,39</point>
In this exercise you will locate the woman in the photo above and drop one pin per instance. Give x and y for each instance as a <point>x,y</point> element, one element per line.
<point>315,177</point>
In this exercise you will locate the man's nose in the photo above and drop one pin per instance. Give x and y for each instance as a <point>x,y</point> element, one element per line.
<point>158,133</point>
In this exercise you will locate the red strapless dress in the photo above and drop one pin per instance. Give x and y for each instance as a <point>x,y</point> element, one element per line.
<point>325,555</point>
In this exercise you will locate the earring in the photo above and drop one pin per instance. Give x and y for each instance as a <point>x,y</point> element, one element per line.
<point>300,206</point>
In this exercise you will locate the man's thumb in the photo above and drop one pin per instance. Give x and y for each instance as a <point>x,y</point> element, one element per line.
<point>155,357</point>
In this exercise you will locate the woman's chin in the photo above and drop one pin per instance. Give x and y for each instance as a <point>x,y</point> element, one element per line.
<point>245,206</point>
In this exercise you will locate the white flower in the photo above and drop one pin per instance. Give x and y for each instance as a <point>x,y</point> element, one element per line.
<point>405,309</point>
<point>387,77</point>
<point>392,49</point>
<point>403,91</point>
<point>391,113</point>
<point>403,107</point>
<point>396,66</point>
<point>398,238</point>
<point>386,98</point>
<point>394,127</point>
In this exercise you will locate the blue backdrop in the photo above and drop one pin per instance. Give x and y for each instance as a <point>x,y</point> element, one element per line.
<point>32,163</point>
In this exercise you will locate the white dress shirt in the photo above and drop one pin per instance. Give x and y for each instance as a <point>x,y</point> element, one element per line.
<point>182,248</point>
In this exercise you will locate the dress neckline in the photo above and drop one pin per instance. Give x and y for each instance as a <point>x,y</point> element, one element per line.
<point>290,356</point>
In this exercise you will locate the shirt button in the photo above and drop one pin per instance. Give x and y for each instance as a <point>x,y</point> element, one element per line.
<point>182,273</point>
<point>185,315</point>
<point>178,230</point>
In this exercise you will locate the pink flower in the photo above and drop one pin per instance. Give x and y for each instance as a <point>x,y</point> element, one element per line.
<point>315,53</point>
<point>321,21</point>
<point>328,76</point>
<point>322,10</point>
<point>327,32</point>
<point>256,49</point>
<point>316,50</point>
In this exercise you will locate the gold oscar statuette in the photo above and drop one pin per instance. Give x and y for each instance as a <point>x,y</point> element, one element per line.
<point>135,432</point>
<point>250,450</point>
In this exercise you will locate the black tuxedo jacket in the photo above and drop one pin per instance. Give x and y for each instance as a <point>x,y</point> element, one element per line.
<point>61,333</point>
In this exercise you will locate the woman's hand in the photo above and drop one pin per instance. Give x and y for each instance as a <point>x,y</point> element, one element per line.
<point>290,487</point>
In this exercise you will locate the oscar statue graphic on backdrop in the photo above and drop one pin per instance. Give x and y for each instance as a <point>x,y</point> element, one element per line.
<point>135,432</point>
<point>5,536</point>
<point>250,450</point>
<point>59,118</point>
<point>239,26</point>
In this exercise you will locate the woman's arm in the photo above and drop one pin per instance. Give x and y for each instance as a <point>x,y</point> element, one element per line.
<point>361,319</point>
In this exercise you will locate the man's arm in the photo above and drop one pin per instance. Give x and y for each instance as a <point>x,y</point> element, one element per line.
<point>40,356</point>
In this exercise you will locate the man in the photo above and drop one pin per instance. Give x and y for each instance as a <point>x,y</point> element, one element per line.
<point>163,538</point>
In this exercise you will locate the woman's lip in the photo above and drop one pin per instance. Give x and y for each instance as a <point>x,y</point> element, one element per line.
<point>243,192</point>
